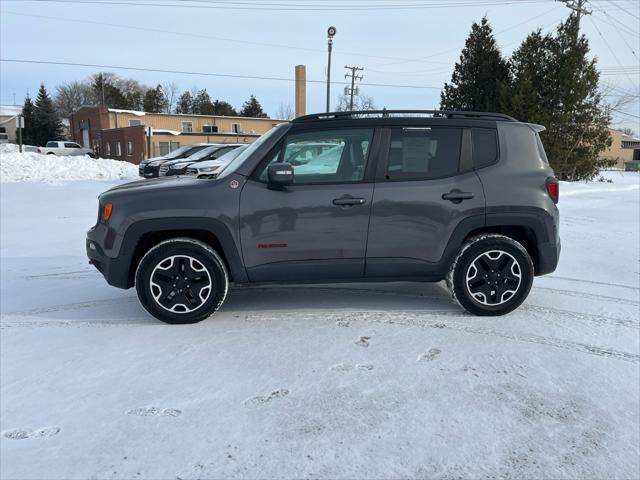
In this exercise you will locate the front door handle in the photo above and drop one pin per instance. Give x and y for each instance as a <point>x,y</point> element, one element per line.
<point>456,196</point>
<point>348,201</point>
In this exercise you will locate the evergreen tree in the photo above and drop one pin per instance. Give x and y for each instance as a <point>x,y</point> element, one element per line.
<point>480,76</point>
<point>202,103</point>
<point>220,107</point>
<point>107,92</point>
<point>28,114</point>
<point>46,121</point>
<point>154,100</point>
<point>555,84</point>
<point>252,108</point>
<point>185,103</point>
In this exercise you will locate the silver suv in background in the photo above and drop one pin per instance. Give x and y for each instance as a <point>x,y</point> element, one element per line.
<point>211,168</point>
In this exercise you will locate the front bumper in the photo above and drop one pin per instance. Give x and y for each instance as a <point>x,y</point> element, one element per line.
<point>116,271</point>
<point>148,172</point>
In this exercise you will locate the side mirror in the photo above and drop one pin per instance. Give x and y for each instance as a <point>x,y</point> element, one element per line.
<point>279,175</point>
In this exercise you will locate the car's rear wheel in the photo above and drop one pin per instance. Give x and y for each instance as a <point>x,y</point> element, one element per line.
<point>492,275</point>
<point>181,280</point>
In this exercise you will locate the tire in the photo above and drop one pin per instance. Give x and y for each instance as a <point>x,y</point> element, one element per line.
<point>491,276</point>
<point>165,275</point>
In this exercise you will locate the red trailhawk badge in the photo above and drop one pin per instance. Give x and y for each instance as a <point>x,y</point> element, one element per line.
<point>234,184</point>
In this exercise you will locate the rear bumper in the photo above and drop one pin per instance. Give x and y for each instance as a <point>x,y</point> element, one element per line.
<point>548,257</point>
<point>115,270</point>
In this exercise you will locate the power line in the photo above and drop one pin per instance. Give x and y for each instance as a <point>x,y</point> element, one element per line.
<point>305,8</point>
<point>455,49</point>
<point>624,9</point>
<point>199,35</point>
<point>206,74</point>
<point>611,50</point>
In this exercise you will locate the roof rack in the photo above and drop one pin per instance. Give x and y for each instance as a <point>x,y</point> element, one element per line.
<point>407,113</point>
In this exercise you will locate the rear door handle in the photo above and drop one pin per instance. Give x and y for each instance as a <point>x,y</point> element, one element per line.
<point>456,196</point>
<point>348,201</point>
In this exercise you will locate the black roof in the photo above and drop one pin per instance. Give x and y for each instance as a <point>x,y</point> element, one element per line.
<point>451,114</point>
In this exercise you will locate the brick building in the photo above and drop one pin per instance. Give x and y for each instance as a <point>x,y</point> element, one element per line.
<point>133,136</point>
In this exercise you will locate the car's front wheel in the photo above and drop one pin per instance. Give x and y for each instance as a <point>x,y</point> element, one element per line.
<point>181,280</point>
<point>492,275</point>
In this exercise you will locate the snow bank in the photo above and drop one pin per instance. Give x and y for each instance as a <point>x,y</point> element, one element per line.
<point>33,167</point>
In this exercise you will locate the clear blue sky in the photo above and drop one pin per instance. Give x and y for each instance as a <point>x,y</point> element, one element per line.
<point>416,42</point>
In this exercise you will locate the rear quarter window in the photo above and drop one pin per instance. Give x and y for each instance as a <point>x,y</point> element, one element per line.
<point>485,147</point>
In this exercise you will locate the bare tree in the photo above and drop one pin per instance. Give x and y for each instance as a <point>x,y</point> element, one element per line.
<point>285,111</point>
<point>170,90</point>
<point>71,96</point>
<point>360,102</point>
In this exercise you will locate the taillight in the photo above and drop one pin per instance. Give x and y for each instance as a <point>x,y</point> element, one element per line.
<point>553,189</point>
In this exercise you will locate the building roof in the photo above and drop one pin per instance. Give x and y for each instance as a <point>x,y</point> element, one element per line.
<point>10,110</point>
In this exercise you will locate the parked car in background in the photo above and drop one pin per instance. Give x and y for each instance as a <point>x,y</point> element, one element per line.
<point>211,168</point>
<point>151,167</point>
<point>63,148</point>
<point>179,167</point>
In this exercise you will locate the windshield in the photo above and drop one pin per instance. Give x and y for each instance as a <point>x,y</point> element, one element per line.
<point>204,153</point>
<point>180,152</point>
<point>239,160</point>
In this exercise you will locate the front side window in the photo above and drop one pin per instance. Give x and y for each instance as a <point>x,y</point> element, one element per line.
<point>328,156</point>
<point>485,147</point>
<point>423,153</point>
<point>71,145</point>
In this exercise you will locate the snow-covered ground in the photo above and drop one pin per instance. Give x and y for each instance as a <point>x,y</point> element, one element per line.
<point>33,167</point>
<point>332,381</point>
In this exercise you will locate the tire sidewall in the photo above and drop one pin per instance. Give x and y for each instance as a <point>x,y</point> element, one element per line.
<point>470,252</point>
<point>201,252</point>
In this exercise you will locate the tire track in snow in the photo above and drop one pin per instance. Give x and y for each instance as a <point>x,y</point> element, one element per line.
<point>573,293</point>
<point>590,282</point>
<point>521,337</point>
<point>69,306</point>
<point>416,318</point>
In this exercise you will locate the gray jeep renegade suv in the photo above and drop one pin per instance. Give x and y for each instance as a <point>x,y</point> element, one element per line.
<point>390,195</point>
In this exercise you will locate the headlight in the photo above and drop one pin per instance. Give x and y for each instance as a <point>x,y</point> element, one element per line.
<point>208,169</point>
<point>178,166</point>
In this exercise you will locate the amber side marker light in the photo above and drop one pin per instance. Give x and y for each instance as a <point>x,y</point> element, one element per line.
<point>106,211</point>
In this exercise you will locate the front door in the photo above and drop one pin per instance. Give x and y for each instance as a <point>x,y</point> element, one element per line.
<point>315,228</point>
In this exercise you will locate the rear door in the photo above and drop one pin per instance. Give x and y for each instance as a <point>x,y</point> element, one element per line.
<point>423,189</point>
<point>315,228</point>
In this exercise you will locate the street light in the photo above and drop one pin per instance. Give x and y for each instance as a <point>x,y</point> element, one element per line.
<point>330,33</point>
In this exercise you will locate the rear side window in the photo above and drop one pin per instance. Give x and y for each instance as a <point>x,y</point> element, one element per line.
<point>423,153</point>
<point>485,147</point>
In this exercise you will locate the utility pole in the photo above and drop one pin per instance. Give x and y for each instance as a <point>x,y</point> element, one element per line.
<point>354,76</point>
<point>577,6</point>
<point>330,33</point>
